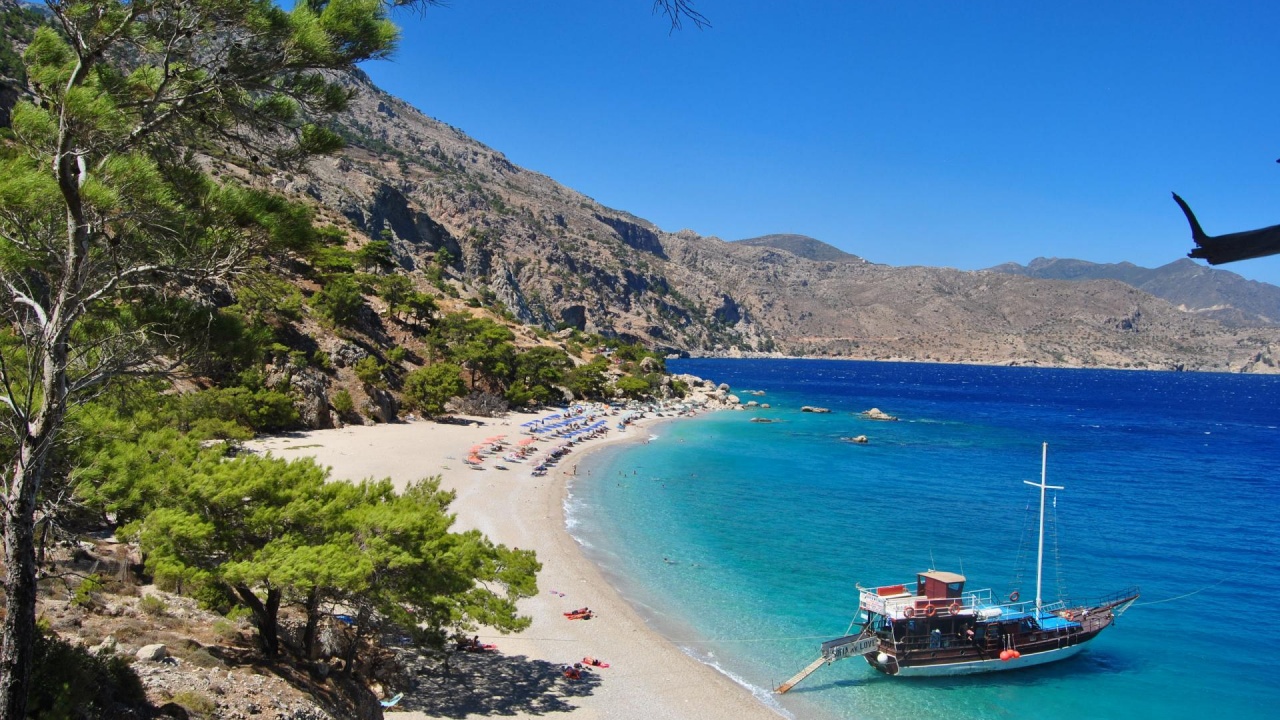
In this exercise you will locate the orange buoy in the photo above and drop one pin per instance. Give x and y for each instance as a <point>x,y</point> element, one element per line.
<point>1005,655</point>
<point>1013,596</point>
<point>909,612</point>
<point>955,608</point>
<point>1016,654</point>
<point>930,611</point>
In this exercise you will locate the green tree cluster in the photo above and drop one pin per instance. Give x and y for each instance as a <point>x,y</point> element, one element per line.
<point>103,208</point>
<point>429,388</point>
<point>270,533</point>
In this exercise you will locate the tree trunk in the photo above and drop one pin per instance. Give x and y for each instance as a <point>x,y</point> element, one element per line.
<point>265,617</point>
<point>20,604</point>
<point>313,620</point>
<point>353,649</point>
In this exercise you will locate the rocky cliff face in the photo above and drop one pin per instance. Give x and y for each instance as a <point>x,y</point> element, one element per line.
<point>555,257</point>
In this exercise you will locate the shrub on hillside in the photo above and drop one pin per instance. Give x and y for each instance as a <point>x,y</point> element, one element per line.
<point>70,683</point>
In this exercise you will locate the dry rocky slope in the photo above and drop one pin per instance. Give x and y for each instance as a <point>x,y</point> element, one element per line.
<point>554,256</point>
<point>1188,285</point>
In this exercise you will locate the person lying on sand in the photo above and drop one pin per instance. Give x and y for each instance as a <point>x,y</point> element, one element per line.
<point>574,671</point>
<point>594,662</point>
<point>474,645</point>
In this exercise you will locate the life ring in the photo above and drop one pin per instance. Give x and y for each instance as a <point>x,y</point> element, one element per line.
<point>930,611</point>
<point>1013,596</point>
<point>909,612</point>
<point>955,608</point>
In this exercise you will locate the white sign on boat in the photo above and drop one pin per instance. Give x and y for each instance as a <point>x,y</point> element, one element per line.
<point>849,646</point>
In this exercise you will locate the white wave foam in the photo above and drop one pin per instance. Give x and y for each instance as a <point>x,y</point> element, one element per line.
<point>570,513</point>
<point>765,696</point>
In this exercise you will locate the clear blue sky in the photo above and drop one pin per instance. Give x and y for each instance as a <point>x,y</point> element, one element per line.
<point>911,133</point>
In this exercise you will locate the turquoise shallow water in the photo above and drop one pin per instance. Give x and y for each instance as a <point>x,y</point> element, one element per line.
<point>742,541</point>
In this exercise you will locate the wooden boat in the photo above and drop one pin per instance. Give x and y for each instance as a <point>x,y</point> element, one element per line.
<point>935,626</point>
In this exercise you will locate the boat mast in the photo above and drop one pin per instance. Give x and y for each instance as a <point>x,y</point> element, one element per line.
<point>1044,460</point>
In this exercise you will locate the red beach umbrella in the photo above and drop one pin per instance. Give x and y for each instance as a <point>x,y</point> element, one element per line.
<point>526,441</point>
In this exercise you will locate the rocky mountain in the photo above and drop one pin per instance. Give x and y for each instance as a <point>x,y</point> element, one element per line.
<point>802,246</point>
<point>554,257</point>
<point>1187,285</point>
<point>548,256</point>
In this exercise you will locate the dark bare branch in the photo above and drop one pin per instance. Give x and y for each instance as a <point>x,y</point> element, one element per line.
<point>677,11</point>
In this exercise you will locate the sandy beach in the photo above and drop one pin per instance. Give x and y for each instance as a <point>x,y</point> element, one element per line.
<point>649,677</point>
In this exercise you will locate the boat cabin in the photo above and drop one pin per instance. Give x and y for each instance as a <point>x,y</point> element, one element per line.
<point>938,585</point>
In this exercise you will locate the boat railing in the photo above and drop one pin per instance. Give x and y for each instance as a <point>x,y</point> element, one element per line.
<point>971,602</point>
<point>1116,598</point>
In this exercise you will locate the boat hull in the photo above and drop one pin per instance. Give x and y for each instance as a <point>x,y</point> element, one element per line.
<point>972,667</point>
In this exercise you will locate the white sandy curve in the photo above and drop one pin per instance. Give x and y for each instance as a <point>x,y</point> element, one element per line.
<point>650,678</point>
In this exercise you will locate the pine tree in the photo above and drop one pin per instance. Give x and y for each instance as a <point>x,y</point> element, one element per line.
<point>103,210</point>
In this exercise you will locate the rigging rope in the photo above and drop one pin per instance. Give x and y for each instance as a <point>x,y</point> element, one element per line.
<point>1197,592</point>
<point>672,640</point>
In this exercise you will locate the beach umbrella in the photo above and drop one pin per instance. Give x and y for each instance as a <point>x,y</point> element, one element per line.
<point>526,441</point>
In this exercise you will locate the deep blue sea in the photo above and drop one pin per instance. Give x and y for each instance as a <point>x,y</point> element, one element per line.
<point>742,542</point>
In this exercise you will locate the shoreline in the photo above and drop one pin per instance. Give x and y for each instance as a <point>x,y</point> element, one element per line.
<point>649,677</point>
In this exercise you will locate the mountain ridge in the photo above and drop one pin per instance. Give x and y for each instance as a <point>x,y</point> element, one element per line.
<point>554,257</point>
<point>802,246</point>
<point>1210,292</point>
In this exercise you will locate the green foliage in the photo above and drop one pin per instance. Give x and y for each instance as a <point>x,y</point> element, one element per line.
<point>130,474</point>
<point>153,605</point>
<point>632,387</point>
<point>104,210</point>
<point>538,371</point>
<point>397,355</point>
<point>277,527</point>
<point>634,354</point>
<point>17,24</point>
<point>679,388</point>
<point>369,371</point>
<point>70,683</point>
<point>218,598</point>
<point>376,254</point>
<point>342,403</point>
<point>478,344</point>
<point>589,381</point>
<point>421,306</point>
<point>427,389</point>
<point>333,260</point>
<point>196,703</point>
<point>83,595</point>
<point>339,301</point>
<point>394,290</point>
<point>284,224</point>
<point>261,410</point>
<point>518,395</point>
